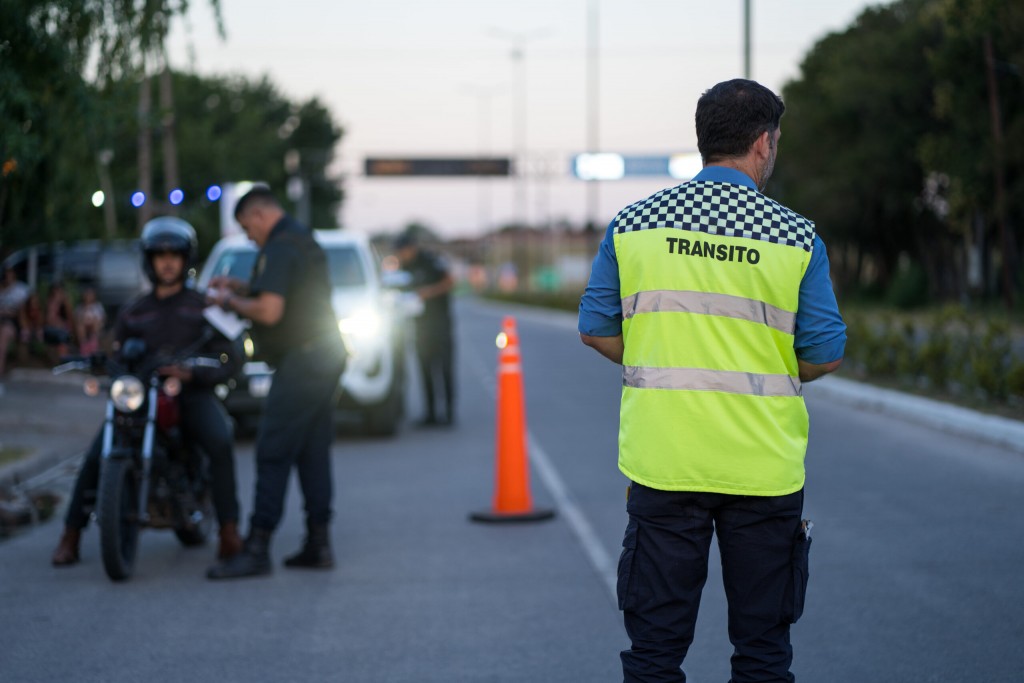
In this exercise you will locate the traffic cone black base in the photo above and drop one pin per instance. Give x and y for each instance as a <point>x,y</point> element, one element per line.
<point>535,515</point>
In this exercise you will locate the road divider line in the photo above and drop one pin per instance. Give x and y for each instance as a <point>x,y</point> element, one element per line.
<point>600,560</point>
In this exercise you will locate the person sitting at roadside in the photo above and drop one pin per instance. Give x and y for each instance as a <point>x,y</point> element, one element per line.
<point>31,321</point>
<point>90,317</point>
<point>59,319</point>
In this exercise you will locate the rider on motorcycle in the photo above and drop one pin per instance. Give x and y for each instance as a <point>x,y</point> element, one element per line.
<point>169,319</point>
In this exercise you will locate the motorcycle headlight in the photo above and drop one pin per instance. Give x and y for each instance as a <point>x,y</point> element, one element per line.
<point>127,393</point>
<point>362,324</point>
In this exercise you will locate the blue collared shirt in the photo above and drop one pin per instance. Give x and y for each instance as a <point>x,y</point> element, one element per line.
<point>820,335</point>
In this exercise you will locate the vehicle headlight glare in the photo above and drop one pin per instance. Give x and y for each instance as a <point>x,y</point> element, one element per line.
<point>363,324</point>
<point>127,393</point>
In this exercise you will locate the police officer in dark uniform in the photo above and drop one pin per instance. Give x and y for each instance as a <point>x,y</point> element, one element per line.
<point>435,344</point>
<point>288,300</point>
<point>169,319</point>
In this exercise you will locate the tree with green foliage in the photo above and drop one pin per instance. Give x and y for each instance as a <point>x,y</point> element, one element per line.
<point>889,145</point>
<point>47,107</point>
<point>62,135</point>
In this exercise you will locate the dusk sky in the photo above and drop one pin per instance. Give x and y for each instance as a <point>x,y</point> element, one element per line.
<point>438,79</point>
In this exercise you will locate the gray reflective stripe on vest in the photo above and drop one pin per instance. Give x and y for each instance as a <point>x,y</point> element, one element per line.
<point>706,303</point>
<point>698,379</point>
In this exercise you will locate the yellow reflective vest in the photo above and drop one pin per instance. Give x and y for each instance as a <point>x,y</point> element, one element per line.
<point>711,399</point>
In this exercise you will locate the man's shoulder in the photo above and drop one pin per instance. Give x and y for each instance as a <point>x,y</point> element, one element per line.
<point>716,206</point>
<point>192,297</point>
<point>135,307</point>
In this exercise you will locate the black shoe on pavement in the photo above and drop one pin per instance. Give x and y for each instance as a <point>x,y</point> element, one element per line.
<point>254,560</point>
<point>316,551</point>
<point>429,421</point>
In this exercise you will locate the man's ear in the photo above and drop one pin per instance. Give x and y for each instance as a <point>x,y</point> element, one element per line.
<point>762,145</point>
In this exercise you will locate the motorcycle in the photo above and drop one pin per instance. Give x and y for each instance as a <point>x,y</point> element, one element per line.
<point>150,477</point>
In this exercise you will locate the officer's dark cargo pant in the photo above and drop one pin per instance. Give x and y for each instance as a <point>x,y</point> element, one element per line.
<point>297,429</point>
<point>664,565</point>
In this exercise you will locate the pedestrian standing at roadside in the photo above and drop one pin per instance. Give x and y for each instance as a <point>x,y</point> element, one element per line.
<point>13,294</point>
<point>288,300</point>
<point>435,343</point>
<point>90,319</point>
<point>717,302</point>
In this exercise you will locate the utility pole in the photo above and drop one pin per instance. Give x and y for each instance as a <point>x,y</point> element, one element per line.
<point>167,124</point>
<point>593,108</point>
<point>484,95</point>
<point>997,154</point>
<point>103,160</point>
<point>746,39</point>
<point>519,114</point>
<point>145,153</point>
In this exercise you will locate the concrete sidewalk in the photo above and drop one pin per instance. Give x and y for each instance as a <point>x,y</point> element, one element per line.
<point>944,417</point>
<point>47,417</point>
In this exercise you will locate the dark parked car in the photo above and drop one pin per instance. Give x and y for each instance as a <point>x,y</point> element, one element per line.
<point>112,268</point>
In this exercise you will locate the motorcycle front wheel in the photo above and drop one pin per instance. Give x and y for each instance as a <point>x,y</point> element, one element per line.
<point>117,503</point>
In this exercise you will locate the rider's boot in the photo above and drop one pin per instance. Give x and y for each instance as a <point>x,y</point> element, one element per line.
<point>254,560</point>
<point>230,541</point>
<point>316,550</point>
<point>66,552</point>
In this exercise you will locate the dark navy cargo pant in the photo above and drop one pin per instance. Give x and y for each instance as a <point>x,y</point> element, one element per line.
<point>664,565</point>
<point>297,429</point>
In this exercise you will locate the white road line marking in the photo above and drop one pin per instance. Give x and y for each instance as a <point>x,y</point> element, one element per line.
<point>581,528</point>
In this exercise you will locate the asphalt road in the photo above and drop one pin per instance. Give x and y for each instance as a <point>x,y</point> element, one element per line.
<point>915,570</point>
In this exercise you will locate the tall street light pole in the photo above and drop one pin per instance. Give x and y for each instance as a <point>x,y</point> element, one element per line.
<point>484,95</point>
<point>746,39</point>
<point>518,54</point>
<point>593,106</point>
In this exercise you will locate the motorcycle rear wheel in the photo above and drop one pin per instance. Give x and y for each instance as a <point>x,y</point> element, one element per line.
<point>117,504</point>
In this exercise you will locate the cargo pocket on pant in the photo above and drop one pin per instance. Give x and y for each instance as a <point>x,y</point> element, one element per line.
<point>624,587</point>
<point>800,573</point>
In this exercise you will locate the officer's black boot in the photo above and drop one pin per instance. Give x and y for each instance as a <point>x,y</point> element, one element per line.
<point>254,560</point>
<point>316,550</point>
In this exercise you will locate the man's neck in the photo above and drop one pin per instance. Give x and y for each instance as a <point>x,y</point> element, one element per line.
<point>745,165</point>
<point>163,291</point>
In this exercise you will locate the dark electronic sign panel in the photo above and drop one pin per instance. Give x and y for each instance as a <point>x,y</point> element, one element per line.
<point>448,166</point>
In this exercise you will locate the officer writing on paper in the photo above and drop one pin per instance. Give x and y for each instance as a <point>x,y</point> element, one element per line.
<point>717,302</point>
<point>288,300</point>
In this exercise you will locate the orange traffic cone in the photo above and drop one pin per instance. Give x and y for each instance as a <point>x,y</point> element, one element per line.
<point>512,501</point>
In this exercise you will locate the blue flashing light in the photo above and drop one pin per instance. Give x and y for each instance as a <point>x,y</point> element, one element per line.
<point>138,198</point>
<point>176,197</point>
<point>213,192</point>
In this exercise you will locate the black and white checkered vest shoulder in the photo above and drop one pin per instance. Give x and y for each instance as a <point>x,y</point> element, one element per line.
<point>719,209</point>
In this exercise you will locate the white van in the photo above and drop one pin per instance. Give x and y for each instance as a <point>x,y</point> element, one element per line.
<point>369,318</point>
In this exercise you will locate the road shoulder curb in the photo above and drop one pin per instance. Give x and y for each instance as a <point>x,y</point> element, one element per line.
<point>992,429</point>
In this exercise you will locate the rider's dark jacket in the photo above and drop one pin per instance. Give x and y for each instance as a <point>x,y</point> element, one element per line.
<point>170,325</point>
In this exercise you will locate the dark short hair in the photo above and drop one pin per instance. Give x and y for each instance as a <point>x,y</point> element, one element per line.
<point>406,239</point>
<point>732,115</point>
<point>259,195</point>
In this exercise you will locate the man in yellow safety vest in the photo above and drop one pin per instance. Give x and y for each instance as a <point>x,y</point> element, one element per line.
<point>717,302</point>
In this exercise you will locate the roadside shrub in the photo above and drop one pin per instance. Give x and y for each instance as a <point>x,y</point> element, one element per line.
<point>1015,379</point>
<point>990,359</point>
<point>909,287</point>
